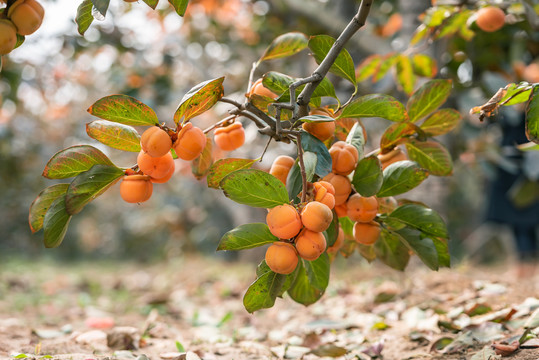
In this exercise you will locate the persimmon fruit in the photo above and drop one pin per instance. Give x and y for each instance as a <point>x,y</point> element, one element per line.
<point>344,158</point>
<point>155,142</point>
<point>155,167</point>
<point>321,130</point>
<point>361,208</point>
<point>26,15</point>
<point>324,192</point>
<point>392,157</point>
<point>258,88</point>
<point>136,188</point>
<point>366,233</point>
<point>281,167</point>
<point>316,216</point>
<point>342,186</point>
<point>310,244</point>
<point>190,143</point>
<point>284,221</point>
<point>490,18</point>
<point>230,137</point>
<point>8,36</point>
<point>282,257</point>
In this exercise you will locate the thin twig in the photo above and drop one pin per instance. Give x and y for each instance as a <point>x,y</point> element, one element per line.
<point>265,149</point>
<point>218,124</point>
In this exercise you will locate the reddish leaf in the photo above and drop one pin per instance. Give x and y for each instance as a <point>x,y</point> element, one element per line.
<point>125,110</point>
<point>285,45</point>
<point>428,98</point>
<point>394,135</point>
<point>41,204</point>
<point>405,74</point>
<point>424,65</point>
<point>201,165</point>
<point>223,167</point>
<point>441,122</point>
<point>199,99</point>
<point>74,160</point>
<point>368,67</point>
<point>117,136</point>
<point>430,155</point>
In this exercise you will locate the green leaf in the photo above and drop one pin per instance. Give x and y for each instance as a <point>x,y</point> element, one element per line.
<point>89,185</point>
<point>421,218</point>
<point>453,24</point>
<point>199,99</point>
<point>302,290</point>
<point>316,118</point>
<point>375,105</point>
<point>441,122</point>
<point>516,94</point>
<point>405,74</point>
<point>368,176</point>
<point>202,164</point>
<point>20,41</point>
<point>444,259</point>
<point>151,3</point>
<point>391,251</point>
<point>73,161</point>
<point>422,246</point>
<point>117,136</point>
<point>401,177</point>
<point>179,5</point>
<point>263,292</point>
<point>343,66</point>
<point>396,134</point>
<point>312,144</point>
<point>285,45</point>
<point>357,139</point>
<point>385,65</point>
<point>223,167</point>
<point>318,272</point>
<point>42,203</point>
<point>55,223</point>
<point>368,67</point>
<point>294,182</point>
<point>347,226</point>
<point>428,98</point>
<point>255,188</point>
<point>123,109</point>
<point>424,65</point>
<point>310,160</point>
<point>280,83</point>
<point>332,231</point>
<point>430,155</point>
<point>247,236</point>
<point>532,117</point>
<point>84,16</point>
<point>101,6</point>
<point>420,33</point>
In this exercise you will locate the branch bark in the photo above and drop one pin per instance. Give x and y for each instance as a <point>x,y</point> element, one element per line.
<point>353,26</point>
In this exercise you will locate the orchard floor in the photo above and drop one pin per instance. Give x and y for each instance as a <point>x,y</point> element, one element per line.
<point>191,309</point>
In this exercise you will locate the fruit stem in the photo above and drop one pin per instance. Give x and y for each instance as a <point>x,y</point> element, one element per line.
<point>302,169</point>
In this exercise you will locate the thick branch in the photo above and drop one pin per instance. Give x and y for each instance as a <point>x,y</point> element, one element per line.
<point>353,26</point>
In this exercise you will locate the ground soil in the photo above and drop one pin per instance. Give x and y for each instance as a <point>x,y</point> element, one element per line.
<point>191,309</point>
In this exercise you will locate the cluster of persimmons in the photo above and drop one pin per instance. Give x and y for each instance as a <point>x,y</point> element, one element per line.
<point>23,17</point>
<point>155,162</point>
<point>300,227</point>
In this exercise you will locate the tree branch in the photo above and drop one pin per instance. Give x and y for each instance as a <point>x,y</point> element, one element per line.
<point>353,26</point>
